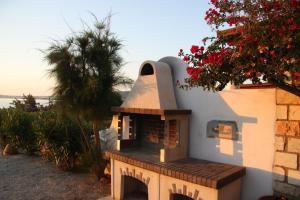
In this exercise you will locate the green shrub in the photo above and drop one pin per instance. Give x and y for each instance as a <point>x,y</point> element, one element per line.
<point>59,138</point>
<point>16,128</point>
<point>93,162</point>
<point>3,135</point>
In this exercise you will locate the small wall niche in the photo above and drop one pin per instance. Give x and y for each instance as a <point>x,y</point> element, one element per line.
<point>222,129</point>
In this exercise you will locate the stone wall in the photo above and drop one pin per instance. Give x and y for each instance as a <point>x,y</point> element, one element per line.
<point>286,171</point>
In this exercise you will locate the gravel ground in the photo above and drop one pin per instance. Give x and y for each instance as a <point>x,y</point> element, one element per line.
<point>30,178</point>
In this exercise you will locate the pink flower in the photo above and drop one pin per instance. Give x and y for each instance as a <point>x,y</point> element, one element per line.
<point>263,60</point>
<point>197,55</point>
<point>293,27</point>
<point>194,49</point>
<point>194,72</point>
<point>295,3</point>
<point>230,43</point>
<point>273,54</point>
<point>185,58</point>
<point>248,74</point>
<point>241,49</point>
<point>180,53</point>
<point>249,38</point>
<point>214,1</point>
<point>189,70</point>
<point>297,74</point>
<point>195,76</point>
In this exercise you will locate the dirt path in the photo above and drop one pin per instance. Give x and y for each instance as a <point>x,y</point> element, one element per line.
<point>30,178</point>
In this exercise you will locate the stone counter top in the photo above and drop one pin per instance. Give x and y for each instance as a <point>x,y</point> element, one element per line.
<point>201,172</point>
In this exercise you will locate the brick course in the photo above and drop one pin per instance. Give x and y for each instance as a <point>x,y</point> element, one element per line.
<point>294,145</point>
<point>279,143</point>
<point>293,128</point>
<point>284,159</point>
<point>281,111</point>
<point>281,127</point>
<point>294,112</point>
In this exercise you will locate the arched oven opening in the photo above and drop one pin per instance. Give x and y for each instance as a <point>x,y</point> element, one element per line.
<point>134,189</point>
<point>176,196</point>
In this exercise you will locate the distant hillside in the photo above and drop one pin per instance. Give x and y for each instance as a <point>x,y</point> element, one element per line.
<point>122,93</point>
<point>20,97</point>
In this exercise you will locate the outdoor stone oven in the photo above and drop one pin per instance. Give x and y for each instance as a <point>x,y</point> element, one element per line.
<point>151,158</point>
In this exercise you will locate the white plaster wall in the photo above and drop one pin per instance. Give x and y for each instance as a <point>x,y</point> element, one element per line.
<point>144,94</point>
<point>254,112</point>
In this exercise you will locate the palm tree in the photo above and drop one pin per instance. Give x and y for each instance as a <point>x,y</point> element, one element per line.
<point>86,67</point>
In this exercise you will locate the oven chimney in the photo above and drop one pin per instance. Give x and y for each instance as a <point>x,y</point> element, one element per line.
<point>153,88</point>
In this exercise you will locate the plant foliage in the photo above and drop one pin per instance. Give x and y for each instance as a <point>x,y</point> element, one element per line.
<point>58,138</point>
<point>16,128</point>
<point>87,70</point>
<point>262,45</point>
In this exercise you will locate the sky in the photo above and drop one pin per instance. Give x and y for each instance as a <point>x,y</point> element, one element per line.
<point>149,30</point>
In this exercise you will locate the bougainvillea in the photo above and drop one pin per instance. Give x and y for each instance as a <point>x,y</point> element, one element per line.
<point>256,40</point>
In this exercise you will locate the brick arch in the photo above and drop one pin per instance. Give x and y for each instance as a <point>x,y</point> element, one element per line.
<point>184,191</point>
<point>134,174</point>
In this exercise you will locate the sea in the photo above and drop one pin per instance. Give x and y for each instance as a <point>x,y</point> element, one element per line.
<point>6,102</point>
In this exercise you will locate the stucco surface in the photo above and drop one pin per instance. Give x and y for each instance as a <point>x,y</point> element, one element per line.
<point>153,91</point>
<point>254,110</point>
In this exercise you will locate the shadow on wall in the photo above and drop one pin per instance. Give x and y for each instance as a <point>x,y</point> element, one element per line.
<point>217,149</point>
<point>254,113</point>
<point>207,106</point>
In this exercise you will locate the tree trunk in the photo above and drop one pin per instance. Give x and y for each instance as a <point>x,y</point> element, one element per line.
<point>97,137</point>
<point>83,134</point>
<point>99,169</point>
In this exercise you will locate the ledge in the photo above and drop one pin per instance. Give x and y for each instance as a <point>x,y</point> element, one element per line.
<point>151,111</point>
<point>257,86</point>
<point>201,172</point>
